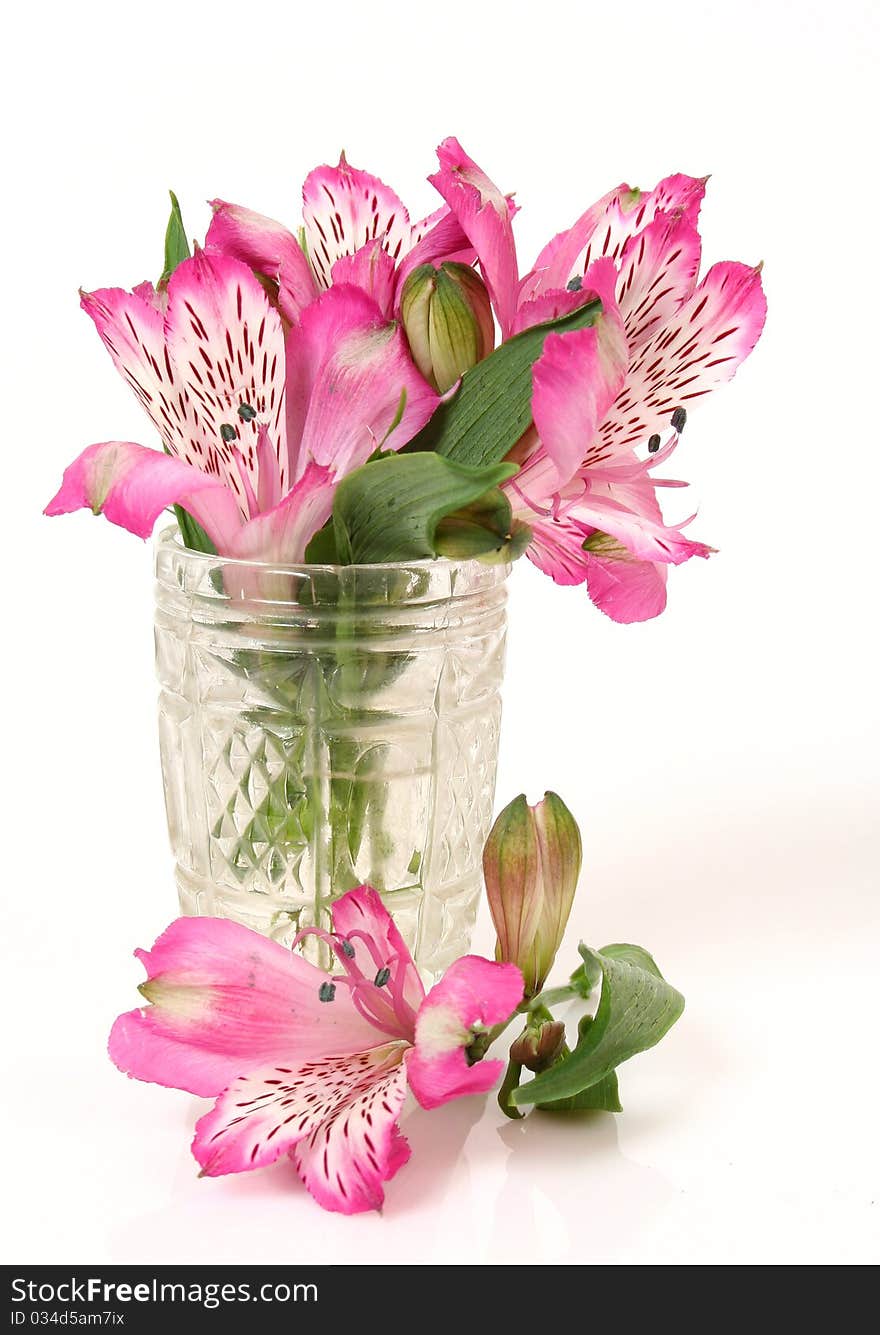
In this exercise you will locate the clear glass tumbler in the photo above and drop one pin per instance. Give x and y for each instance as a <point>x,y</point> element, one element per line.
<point>327,726</point>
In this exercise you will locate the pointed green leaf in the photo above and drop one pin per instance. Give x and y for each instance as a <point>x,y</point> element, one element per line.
<point>176,244</point>
<point>321,547</point>
<point>636,1008</point>
<point>485,529</point>
<point>601,1097</point>
<point>492,406</point>
<point>390,509</point>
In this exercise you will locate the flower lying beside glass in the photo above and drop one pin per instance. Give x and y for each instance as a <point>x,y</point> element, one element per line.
<point>314,1064</point>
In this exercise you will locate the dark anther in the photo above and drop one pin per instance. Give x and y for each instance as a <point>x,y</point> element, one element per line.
<point>574,284</point>
<point>246,412</point>
<point>227,432</point>
<point>654,443</point>
<point>347,949</point>
<point>382,977</point>
<point>327,991</point>
<point>679,417</point>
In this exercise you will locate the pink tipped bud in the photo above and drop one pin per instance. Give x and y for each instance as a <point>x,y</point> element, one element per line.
<point>447,317</point>
<point>531,863</point>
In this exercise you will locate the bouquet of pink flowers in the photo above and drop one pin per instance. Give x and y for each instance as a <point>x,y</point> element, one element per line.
<point>371,389</point>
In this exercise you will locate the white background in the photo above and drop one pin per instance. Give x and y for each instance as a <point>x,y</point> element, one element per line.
<point>722,760</point>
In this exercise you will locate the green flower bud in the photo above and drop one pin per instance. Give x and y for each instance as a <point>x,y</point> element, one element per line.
<point>537,1049</point>
<point>531,863</point>
<point>448,320</point>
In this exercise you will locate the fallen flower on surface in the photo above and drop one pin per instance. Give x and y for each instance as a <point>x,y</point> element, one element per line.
<point>305,1063</point>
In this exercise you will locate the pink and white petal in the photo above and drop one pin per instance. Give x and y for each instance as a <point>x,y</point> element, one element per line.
<point>550,305</point>
<point>278,538</point>
<point>435,240</point>
<point>372,269</point>
<point>225,1000</point>
<point>473,995</point>
<point>226,344</point>
<point>557,548</point>
<point>699,349</point>
<point>559,259</point>
<point>344,209</point>
<point>361,919</point>
<point>131,486</point>
<point>131,327</point>
<point>575,381</point>
<point>146,292</point>
<point>485,216</point>
<point>604,230</point>
<point>358,1146</point>
<point>678,193</point>
<point>647,538</point>
<point>268,248</point>
<point>264,1113</point>
<point>349,374</point>
<point>658,273</point>
<point>625,589</point>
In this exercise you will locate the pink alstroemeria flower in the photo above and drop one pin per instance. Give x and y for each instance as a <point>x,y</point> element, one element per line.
<point>258,422</point>
<point>307,1064</point>
<point>605,399</point>
<point>355,230</point>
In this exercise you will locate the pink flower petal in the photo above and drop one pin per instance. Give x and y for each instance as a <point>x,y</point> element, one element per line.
<point>268,248</point>
<point>361,918</point>
<point>437,238</point>
<point>658,272</point>
<point>646,538</point>
<point>132,328</point>
<point>485,217</point>
<point>562,257</point>
<point>473,995</point>
<point>348,372</point>
<point>699,349</point>
<point>557,548</point>
<point>226,344</point>
<point>282,533</point>
<point>604,230</point>
<point>131,486</point>
<point>345,209</point>
<point>226,1000</point>
<point>576,380</point>
<point>358,1146</point>
<point>267,1112</point>
<point>372,269</point>
<point>625,589</point>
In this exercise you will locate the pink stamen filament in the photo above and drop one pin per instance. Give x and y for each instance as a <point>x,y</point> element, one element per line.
<point>389,1009</point>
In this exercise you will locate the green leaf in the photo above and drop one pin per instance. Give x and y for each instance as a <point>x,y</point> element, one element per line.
<point>321,547</point>
<point>390,509</point>
<point>192,533</point>
<point>601,1097</point>
<point>176,244</point>
<point>485,529</point>
<point>636,1008</point>
<point>632,954</point>
<point>492,407</point>
<point>586,975</point>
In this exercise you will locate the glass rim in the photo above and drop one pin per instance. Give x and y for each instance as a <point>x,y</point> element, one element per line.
<point>170,537</point>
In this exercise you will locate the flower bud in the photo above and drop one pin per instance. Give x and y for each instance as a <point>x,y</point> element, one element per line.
<point>448,320</point>
<point>536,1049</point>
<point>531,863</point>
